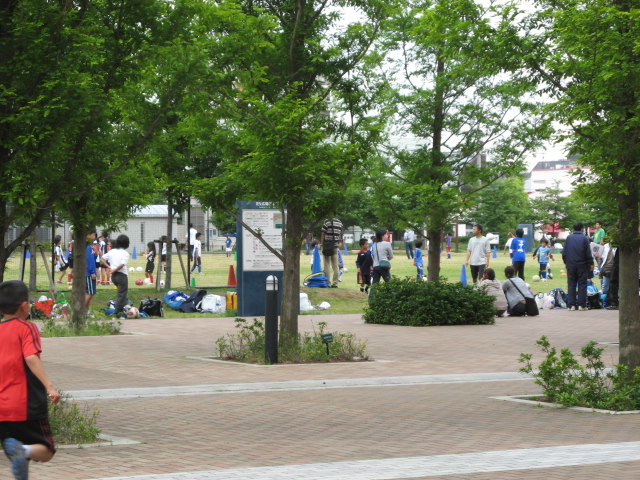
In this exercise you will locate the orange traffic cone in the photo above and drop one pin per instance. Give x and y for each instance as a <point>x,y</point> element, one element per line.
<point>231,282</point>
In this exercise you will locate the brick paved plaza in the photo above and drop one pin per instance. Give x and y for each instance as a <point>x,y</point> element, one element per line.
<point>421,410</point>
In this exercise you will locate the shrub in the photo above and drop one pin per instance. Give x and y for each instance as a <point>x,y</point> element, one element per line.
<point>564,380</point>
<point>93,328</point>
<point>72,424</point>
<point>417,303</point>
<point>248,346</point>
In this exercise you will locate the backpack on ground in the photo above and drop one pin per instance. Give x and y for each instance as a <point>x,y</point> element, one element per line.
<point>192,303</point>
<point>212,304</point>
<point>174,299</point>
<point>152,307</point>
<point>559,297</point>
<point>594,300</point>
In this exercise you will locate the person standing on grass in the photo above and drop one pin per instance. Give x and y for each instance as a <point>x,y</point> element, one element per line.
<point>447,242</point>
<point>543,254</point>
<point>330,241</point>
<point>197,254</point>
<point>227,245</point>
<point>151,258</point>
<point>191,238</point>
<point>24,385</point>
<point>381,251</point>
<point>364,262</point>
<point>409,236</point>
<point>418,261</point>
<point>478,251</point>
<point>61,264</point>
<point>519,249</point>
<point>104,248</point>
<point>578,261</point>
<point>116,259</point>
<point>599,234</point>
<point>91,270</point>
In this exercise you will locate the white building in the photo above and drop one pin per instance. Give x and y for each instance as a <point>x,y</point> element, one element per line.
<point>551,174</point>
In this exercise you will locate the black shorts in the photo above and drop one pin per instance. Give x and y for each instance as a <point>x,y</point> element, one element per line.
<point>29,432</point>
<point>163,258</point>
<point>70,262</point>
<point>149,267</point>
<point>62,268</point>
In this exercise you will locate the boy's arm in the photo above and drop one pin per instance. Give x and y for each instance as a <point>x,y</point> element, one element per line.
<point>37,368</point>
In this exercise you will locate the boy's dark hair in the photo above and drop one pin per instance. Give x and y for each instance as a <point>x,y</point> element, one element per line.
<point>198,235</point>
<point>56,239</point>
<point>519,233</point>
<point>490,273</point>
<point>599,223</point>
<point>92,231</point>
<point>509,271</point>
<point>12,294</point>
<point>418,243</point>
<point>479,227</point>
<point>578,226</point>
<point>122,241</point>
<point>314,243</point>
<point>544,240</point>
<point>363,241</point>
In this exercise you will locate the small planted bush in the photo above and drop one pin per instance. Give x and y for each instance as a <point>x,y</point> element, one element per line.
<point>71,423</point>
<point>566,381</point>
<point>407,302</point>
<point>93,328</point>
<point>248,346</point>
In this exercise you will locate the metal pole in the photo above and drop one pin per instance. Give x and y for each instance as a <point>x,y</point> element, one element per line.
<point>23,261</point>
<point>271,321</point>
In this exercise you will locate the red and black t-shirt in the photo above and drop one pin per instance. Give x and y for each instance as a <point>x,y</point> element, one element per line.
<point>22,395</point>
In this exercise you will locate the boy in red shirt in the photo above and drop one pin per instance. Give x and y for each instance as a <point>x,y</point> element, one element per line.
<point>24,385</point>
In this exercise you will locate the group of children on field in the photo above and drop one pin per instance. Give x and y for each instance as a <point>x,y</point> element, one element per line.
<point>364,263</point>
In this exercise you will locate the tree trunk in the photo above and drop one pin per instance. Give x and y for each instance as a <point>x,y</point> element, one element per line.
<point>434,230</point>
<point>6,221</point>
<point>167,275</point>
<point>33,264</point>
<point>78,299</point>
<point>291,277</point>
<point>629,313</point>
<point>433,263</point>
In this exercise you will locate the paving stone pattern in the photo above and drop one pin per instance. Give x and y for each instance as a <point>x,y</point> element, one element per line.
<point>422,411</point>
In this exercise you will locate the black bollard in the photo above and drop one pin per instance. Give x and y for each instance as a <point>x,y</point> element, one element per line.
<point>271,320</point>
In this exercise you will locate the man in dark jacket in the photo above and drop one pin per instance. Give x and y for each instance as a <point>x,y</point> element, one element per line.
<point>578,260</point>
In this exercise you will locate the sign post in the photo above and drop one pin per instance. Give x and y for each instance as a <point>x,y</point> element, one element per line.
<point>255,261</point>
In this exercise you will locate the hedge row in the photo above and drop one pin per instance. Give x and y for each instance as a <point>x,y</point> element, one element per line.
<point>417,303</point>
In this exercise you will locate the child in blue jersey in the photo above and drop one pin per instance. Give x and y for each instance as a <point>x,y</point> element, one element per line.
<point>519,249</point>
<point>340,264</point>
<point>418,261</point>
<point>544,255</point>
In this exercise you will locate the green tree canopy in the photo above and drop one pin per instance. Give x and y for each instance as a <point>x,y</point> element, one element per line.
<point>468,107</point>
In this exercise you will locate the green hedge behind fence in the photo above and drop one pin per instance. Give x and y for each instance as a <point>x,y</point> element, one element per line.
<point>418,303</point>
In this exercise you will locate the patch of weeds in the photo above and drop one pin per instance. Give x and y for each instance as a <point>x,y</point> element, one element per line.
<point>566,381</point>
<point>71,423</point>
<point>93,328</point>
<point>248,346</point>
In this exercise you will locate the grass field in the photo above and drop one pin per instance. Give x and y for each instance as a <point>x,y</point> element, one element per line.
<point>345,299</point>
